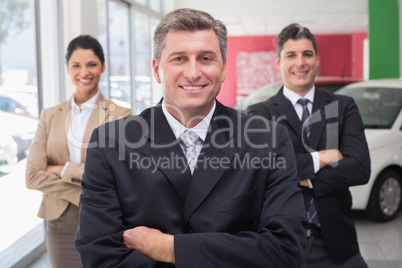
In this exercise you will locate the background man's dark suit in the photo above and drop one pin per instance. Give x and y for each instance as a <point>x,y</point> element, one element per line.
<point>221,217</point>
<point>341,125</point>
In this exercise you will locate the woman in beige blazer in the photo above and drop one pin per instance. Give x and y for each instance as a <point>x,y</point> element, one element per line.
<point>56,159</point>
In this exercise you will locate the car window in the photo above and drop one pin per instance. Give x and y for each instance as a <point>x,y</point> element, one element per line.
<point>378,107</point>
<point>26,100</point>
<point>329,87</point>
<point>8,105</point>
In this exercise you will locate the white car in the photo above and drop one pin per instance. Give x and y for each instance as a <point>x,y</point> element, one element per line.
<point>380,102</point>
<point>324,83</point>
<point>22,129</point>
<point>8,153</point>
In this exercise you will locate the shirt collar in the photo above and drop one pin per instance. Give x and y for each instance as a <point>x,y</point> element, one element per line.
<point>88,104</point>
<point>294,97</point>
<point>201,129</point>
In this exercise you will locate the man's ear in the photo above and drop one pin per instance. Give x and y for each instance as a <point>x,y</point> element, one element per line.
<point>155,67</point>
<point>277,62</point>
<point>224,72</point>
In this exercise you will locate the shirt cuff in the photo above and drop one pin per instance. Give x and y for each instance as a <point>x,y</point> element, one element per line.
<point>64,169</point>
<point>316,161</point>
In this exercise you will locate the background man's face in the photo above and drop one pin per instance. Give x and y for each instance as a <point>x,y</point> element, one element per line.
<point>298,64</point>
<point>191,70</point>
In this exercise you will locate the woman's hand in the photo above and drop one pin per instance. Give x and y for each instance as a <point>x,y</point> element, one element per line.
<point>55,169</point>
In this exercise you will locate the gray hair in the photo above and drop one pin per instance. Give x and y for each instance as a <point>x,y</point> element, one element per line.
<point>186,19</point>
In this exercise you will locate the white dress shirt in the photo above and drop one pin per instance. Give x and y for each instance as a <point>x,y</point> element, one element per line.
<point>201,129</point>
<point>293,98</point>
<point>78,123</point>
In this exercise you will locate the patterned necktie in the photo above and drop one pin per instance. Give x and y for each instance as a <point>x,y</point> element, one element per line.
<point>305,115</point>
<point>189,138</point>
<point>312,211</point>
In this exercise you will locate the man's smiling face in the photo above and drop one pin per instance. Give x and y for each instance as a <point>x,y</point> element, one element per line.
<point>298,63</point>
<point>191,71</point>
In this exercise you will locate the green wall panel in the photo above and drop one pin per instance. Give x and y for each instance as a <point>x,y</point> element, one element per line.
<point>383,38</point>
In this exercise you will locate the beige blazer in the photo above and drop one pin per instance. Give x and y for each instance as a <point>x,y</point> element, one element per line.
<point>49,147</point>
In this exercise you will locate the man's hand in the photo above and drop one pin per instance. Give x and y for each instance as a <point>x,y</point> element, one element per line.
<point>328,157</point>
<point>151,242</point>
<point>304,183</point>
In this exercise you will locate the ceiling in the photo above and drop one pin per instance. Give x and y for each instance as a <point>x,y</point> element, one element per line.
<point>269,17</point>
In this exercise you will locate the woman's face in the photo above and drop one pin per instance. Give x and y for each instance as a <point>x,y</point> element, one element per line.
<point>85,70</point>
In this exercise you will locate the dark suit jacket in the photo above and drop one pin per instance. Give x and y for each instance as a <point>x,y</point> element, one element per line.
<point>337,125</point>
<point>237,210</point>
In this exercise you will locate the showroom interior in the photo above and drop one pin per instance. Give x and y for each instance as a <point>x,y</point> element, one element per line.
<point>357,39</point>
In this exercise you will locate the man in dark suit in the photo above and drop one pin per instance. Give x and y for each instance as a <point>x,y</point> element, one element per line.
<point>330,146</point>
<point>155,197</point>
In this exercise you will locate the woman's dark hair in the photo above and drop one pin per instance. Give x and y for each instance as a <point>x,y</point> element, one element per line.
<point>85,42</point>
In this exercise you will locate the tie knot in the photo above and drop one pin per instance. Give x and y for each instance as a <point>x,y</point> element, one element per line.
<point>303,102</point>
<point>189,138</point>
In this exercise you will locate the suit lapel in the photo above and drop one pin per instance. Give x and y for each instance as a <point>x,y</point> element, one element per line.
<point>317,125</point>
<point>285,109</point>
<point>205,178</point>
<point>192,189</point>
<point>62,121</point>
<point>164,145</point>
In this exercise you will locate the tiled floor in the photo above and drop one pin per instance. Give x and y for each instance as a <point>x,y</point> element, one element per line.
<point>43,262</point>
<point>380,243</point>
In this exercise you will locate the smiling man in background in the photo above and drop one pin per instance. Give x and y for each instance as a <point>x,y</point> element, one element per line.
<point>331,150</point>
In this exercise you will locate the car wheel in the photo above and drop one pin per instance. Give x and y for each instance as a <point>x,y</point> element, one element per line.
<point>385,199</point>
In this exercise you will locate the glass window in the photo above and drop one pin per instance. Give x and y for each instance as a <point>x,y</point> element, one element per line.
<point>119,54</point>
<point>142,2</point>
<point>126,34</point>
<point>103,40</point>
<point>142,62</point>
<point>18,118</point>
<point>155,5</point>
<point>157,93</point>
